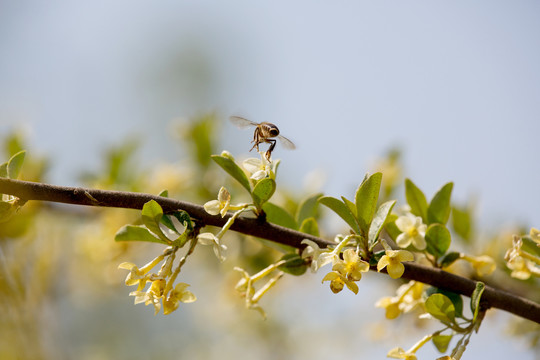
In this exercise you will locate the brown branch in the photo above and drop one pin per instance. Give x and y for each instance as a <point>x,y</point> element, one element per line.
<point>491,297</point>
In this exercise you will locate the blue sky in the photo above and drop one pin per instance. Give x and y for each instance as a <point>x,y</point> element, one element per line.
<point>455,84</point>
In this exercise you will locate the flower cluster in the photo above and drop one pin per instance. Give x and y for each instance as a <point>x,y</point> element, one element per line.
<point>524,264</point>
<point>347,265</point>
<point>408,297</point>
<point>161,283</point>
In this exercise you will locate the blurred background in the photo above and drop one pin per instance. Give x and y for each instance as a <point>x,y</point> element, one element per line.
<point>454,86</point>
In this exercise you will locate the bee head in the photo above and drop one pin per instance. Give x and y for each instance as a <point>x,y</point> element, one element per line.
<point>274,131</point>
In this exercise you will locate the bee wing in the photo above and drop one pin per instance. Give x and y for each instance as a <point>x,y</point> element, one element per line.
<point>287,144</point>
<point>241,122</point>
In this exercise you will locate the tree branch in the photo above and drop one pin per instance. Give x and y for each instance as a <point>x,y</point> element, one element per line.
<point>26,190</point>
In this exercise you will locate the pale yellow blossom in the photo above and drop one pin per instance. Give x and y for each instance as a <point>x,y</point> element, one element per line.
<point>320,257</point>
<point>211,239</point>
<point>260,168</point>
<point>176,296</point>
<point>352,266</point>
<point>522,269</point>
<point>338,281</point>
<point>392,260</point>
<point>399,353</point>
<point>484,265</point>
<point>413,231</point>
<point>221,205</point>
<point>391,305</point>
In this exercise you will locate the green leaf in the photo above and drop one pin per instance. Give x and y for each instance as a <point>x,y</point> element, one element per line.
<point>164,193</point>
<point>456,299</point>
<point>476,297</point>
<point>366,199</point>
<point>530,246</point>
<point>441,308</point>
<point>14,165</point>
<point>379,220</point>
<point>439,208</point>
<point>462,222</point>
<point>416,200</point>
<point>137,233</point>
<point>448,259</point>
<point>438,240</point>
<point>263,191</point>
<point>307,208</point>
<point>184,218</point>
<point>233,169</point>
<point>342,210</point>
<point>441,342</point>
<point>295,265</point>
<point>309,226</point>
<point>3,170</point>
<point>151,218</point>
<point>167,221</point>
<point>181,240</point>
<point>277,215</point>
<point>350,205</point>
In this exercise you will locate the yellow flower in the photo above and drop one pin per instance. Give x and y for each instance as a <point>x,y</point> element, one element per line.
<point>176,296</point>
<point>221,205</point>
<point>412,231</point>
<point>521,268</point>
<point>484,265</point>
<point>319,256</point>
<point>211,239</point>
<point>391,306</point>
<point>338,281</point>
<point>311,250</point>
<point>136,275</point>
<point>260,169</point>
<point>352,266</point>
<point>408,296</point>
<point>399,353</point>
<point>392,260</point>
<point>515,250</point>
<point>152,296</point>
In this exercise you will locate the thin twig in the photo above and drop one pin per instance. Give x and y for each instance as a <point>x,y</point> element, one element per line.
<point>491,297</point>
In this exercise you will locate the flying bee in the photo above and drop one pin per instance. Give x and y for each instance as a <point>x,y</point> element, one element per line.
<point>264,132</point>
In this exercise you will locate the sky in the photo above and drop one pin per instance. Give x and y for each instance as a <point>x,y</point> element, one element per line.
<point>455,85</point>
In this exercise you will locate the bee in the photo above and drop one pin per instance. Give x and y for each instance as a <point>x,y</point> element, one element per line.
<point>264,132</point>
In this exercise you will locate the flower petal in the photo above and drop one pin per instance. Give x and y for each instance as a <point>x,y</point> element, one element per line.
<point>403,240</point>
<point>212,207</point>
<point>383,262</point>
<point>395,270</point>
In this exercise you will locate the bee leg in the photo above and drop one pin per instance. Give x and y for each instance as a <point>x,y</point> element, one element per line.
<point>256,145</point>
<point>256,139</point>
<point>272,143</point>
